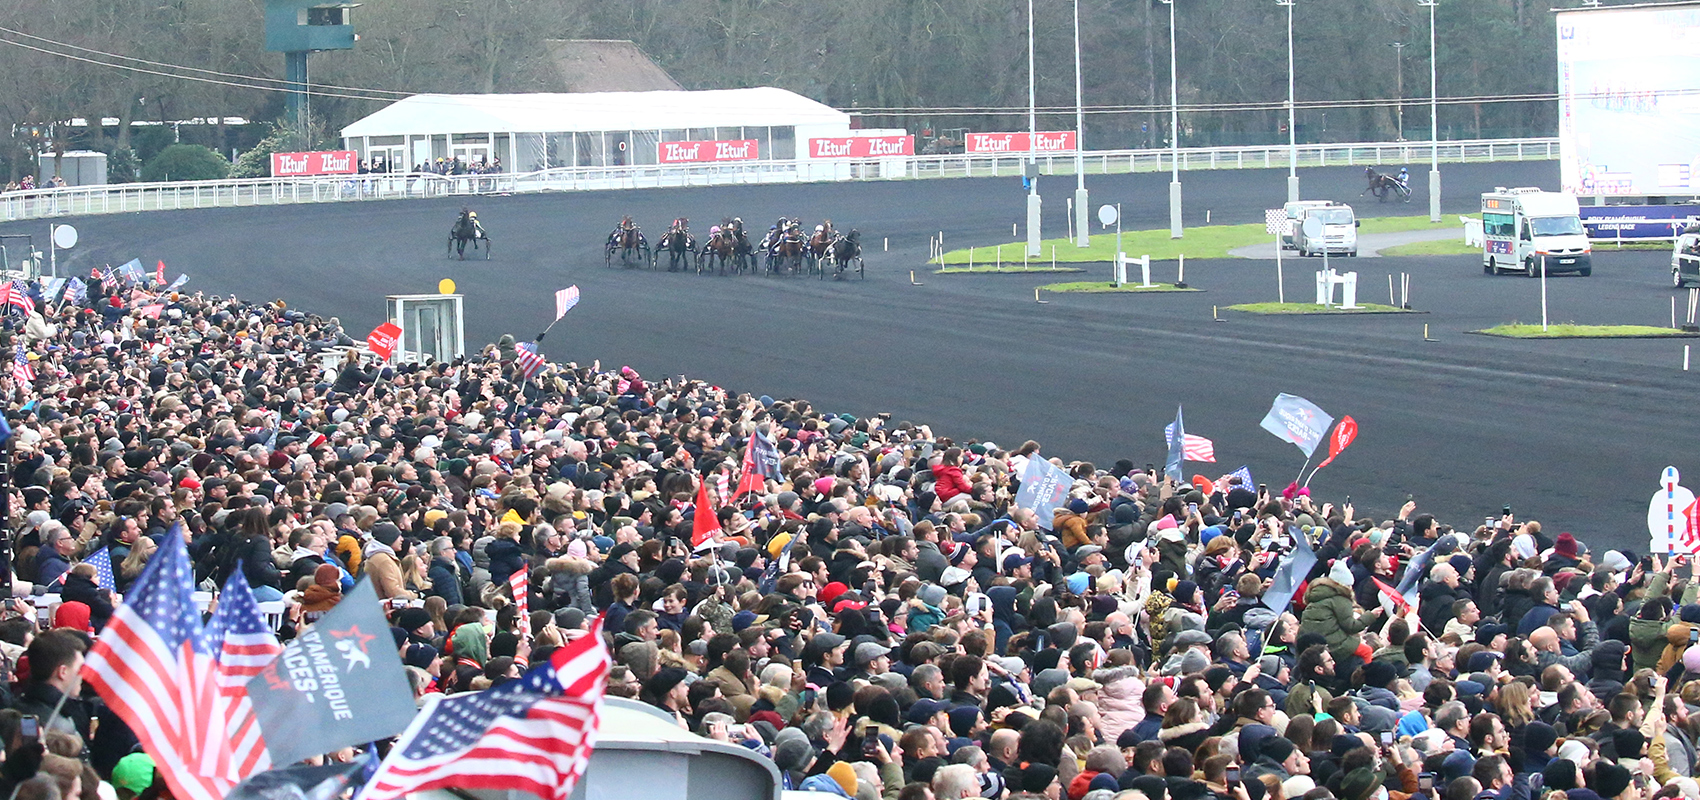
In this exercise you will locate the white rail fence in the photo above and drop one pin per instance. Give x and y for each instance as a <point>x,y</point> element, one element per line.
<point>128,197</point>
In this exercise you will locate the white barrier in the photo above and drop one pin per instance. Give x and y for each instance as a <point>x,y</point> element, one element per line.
<point>1472,231</point>
<point>128,197</point>
<point>1327,279</point>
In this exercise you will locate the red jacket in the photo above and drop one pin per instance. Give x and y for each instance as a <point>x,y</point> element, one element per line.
<point>948,482</point>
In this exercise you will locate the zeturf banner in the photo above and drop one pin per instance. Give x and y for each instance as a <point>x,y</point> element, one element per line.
<point>1041,142</point>
<point>687,152</point>
<point>862,147</point>
<point>323,162</point>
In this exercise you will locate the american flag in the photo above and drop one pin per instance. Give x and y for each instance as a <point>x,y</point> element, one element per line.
<point>243,644</point>
<point>23,373</point>
<point>565,299</point>
<point>1224,484</point>
<point>15,294</point>
<point>76,291</point>
<point>520,584</point>
<point>102,561</point>
<point>149,665</point>
<point>100,275</point>
<point>529,362</point>
<point>1193,448</point>
<point>530,735</point>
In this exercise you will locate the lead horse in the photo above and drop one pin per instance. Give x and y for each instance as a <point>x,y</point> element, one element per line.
<point>468,229</point>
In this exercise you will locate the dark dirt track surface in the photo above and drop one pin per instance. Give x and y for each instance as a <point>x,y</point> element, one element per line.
<point>1573,433</point>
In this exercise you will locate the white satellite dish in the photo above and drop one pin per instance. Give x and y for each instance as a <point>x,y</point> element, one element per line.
<point>1107,215</point>
<point>1313,227</point>
<point>64,237</point>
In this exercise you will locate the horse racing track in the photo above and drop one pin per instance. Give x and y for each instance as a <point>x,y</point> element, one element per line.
<point>1569,432</point>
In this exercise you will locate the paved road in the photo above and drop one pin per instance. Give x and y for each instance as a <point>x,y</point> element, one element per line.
<point>1370,245</point>
<point>1573,433</point>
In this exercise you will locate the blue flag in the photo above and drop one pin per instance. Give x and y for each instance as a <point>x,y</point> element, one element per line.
<point>76,291</point>
<point>1297,420</point>
<point>1177,449</point>
<point>1292,571</point>
<point>1044,488</point>
<point>102,561</point>
<point>131,271</point>
<point>5,429</point>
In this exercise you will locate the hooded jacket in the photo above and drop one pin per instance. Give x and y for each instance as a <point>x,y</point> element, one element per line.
<point>1330,613</point>
<point>1119,699</point>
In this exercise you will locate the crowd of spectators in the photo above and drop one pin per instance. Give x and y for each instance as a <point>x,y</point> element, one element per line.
<point>880,619</point>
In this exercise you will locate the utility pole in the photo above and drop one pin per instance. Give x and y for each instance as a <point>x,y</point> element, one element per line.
<point>1292,131</point>
<point>1433,114</point>
<point>1399,78</point>
<point>1175,230</point>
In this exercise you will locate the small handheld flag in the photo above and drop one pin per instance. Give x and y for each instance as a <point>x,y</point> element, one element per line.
<point>565,299</point>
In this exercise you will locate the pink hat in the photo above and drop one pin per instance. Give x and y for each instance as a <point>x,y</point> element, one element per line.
<point>1167,522</point>
<point>824,485</point>
<point>1691,658</point>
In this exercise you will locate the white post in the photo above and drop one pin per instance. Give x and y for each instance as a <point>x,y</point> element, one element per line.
<point>1175,231</point>
<point>1180,273</point>
<point>1543,294</point>
<point>1685,357</point>
<point>1145,271</point>
<point>1280,279</point>
<point>1349,290</point>
<point>1434,116</point>
<point>1390,300</point>
<point>1033,201</point>
<point>1120,277</point>
<point>1082,226</point>
<point>1292,131</point>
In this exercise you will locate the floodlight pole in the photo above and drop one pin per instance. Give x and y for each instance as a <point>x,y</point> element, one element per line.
<point>1033,201</point>
<point>1292,131</point>
<point>1082,225</point>
<point>1175,230</point>
<point>1433,114</point>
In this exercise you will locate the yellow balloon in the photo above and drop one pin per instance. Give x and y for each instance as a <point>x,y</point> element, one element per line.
<point>446,286</point>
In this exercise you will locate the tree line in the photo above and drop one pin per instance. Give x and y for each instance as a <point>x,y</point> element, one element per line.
<point>888,59</point>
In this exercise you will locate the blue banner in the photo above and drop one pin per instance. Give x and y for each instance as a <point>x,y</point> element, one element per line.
<point>1297,420</point>
<point>1044,488</point>
<point>1637,222</point>
<point>1292,572</point>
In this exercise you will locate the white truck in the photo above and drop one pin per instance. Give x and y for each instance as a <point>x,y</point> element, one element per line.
<point>1339,235</point>
<point>1527,229</point>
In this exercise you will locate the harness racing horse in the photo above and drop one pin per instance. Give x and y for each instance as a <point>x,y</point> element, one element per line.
<point>743,252</point>
<point>678,244</point>
<point>1383,185</point>
<point>628,241</point>
<point>818,244</point>
<point>719,248</point>
<point>787,255</point>
<point>844,254</point>
<point>468,229</point>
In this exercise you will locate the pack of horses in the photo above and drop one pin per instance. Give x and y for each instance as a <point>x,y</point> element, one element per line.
<point>729,250</point>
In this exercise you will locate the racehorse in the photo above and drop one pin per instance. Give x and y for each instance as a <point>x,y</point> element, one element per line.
<point>719,247</point>
<point>1383,185</point>
<point>678,243</point>
<point>468,229</point>
<point>743,252</point>
<point>628,241</point>
<point>846,253</point>
<point>818,244</point>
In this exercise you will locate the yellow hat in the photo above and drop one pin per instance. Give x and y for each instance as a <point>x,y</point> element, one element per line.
<point>777,544</point>
<point>433,515</point>
<point>845,775</point>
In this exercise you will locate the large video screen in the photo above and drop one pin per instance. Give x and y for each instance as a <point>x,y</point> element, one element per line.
<point>1629,100</point>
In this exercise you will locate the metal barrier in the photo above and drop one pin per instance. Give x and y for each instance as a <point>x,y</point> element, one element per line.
<point>238,192</point>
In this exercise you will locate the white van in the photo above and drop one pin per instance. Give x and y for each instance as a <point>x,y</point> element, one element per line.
<point>1339,231</point>
<point>1292,211</point>
<point>1685,259</point>
<point>1526,228</point>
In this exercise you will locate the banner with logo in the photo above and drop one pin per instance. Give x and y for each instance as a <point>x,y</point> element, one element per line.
<point>862,147</point>
<point>323,162</point>
<point>339,683</point>
<point>1297,420</point>
<point>1041,142</point>
<point>382,339</point>
<point>1044,488</point>
<point>687,152</point>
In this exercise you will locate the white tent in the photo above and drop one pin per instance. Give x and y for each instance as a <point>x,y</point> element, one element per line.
<point>536,131</point>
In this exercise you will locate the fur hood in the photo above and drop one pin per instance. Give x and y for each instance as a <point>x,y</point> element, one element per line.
<point>1178,731</point>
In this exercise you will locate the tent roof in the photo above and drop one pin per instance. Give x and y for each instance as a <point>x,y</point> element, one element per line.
<point>594,111</point>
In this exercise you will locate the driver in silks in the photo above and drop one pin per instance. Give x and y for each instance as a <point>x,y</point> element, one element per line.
<point>626,225</point>
<point>477,227</point>
<point>1404,178</point>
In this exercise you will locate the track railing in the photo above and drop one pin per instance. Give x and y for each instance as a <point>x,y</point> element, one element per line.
<point>240,192</point>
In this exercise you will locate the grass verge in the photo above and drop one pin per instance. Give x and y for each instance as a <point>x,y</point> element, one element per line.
<point>1439,247</point>
<point>1571,330</point>
<point>978,270</point>
<point>1105,287</point>
<point>1312,308</point>
<point>1208,241</point>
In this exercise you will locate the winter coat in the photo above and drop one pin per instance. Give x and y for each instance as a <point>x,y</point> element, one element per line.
<point>83,590</point>
<point>385,571</point>
<point>505,559</point>
<point>1330,614</point>
<point>930,564</point>
<point>1119,698</point>
<point>445,580</point>
<point>1070,528</point>
<point>733,689</point>
<point>948,482</point>
<point>569,583</point>
<point>1647,639</point>
<point>1517,603</point>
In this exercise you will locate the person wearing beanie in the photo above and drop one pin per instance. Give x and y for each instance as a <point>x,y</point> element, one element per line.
<point>1280,758</point>
<point>1540,745</point>
<point>794,756</point>
<point>667,690</point>
<point>1036,781</point>
<point>382,557</point>
<point>1359,784</point>
<point>418,624</point>
<point>1331,613</point>
<point>1612,781</point>
<point>322,595</point>
<point>926,609</point>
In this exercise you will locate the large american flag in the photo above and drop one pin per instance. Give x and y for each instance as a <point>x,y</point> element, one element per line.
<point>150,665</point>
<point>1193,448</point>
<point>243,644</point>
<point>531,735</point>
<point>565,299</point>
<point>16,295</point>
<point>528,360</point>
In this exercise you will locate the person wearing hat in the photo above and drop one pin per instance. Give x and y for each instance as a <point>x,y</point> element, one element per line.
<point>668,691</point>
<point>1069,524</point>
<point>382,557</point>
<point>1038,782</point>
<point>1280,758</point>
<point>823,657</point>
<point>133,775</point>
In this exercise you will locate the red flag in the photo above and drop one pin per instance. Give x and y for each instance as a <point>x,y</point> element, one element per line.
<point>1344,433</point>
<point>159,272</point>
<point>152,311</point>
<point>1691,536</point>
<point>382,339</point>
<point>706,521</point>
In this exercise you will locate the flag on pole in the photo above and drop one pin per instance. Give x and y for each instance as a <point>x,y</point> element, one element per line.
<point>242,643</point>
<point>1292,572</point>
<point>1176,432</point>
<point>101,560</point>
<point>52,289</point>
<point>565,299</point>
<point>704,522</point>
<point>152,311</point>
<point>1194,448</point>
<point>532,735</point>
<point>528,360</point>
<point>143,666</point>
<point>23,373</point>
<point>178,284</point>
<point>1390,596</point>
<point>76,291</point>
<point>14,295</point>
<point>520,584</point>
<point>131,271</point>
<point>159,272</point>
<point>1297,420</point>
<point>1344,434</point>
<point>761,462</point>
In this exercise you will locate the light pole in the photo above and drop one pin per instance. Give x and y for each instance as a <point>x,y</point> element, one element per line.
<point>1082,225</point>
<point>1175,230</point>
<point>1433,115</point>
<point>1292,132</point>
<point>1032,171</point>
<point>1399,79</point>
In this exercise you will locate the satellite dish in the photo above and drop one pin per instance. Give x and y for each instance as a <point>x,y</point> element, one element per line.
<point>64,237</point>
<point>1313,227</point>
<point>1107,214</point>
